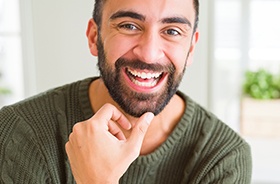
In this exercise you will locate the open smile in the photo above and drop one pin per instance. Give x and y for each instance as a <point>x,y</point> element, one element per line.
<point>144,79</point>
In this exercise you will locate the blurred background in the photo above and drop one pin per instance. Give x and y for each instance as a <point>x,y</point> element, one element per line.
<point>235,73</point>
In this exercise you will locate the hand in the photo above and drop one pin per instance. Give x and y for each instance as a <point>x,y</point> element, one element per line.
<point>97,149</point>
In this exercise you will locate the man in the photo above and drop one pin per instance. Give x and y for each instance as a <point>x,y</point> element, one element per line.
<point>130,125</point>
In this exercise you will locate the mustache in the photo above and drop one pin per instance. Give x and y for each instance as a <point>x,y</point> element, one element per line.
<point>141,65</point>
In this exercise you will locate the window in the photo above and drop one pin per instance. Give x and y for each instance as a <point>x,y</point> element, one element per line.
<point>226,65</point>
<point>246,37</point>
<point>264,37</point>
<point>11,78</point>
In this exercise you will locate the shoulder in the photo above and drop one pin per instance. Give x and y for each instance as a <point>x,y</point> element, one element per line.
<point>40,112</point>
<point>216,147</point>
<point>33,131</point>
<point>207,125</point>
<point>48,100</point>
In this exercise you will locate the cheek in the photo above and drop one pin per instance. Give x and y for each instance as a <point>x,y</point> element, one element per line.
<point>117,46</point>
<point>178,56</point>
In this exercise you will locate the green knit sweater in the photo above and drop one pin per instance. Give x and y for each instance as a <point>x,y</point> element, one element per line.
<point>201,149</point>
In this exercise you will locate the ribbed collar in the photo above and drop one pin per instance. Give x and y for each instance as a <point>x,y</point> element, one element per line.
<point>174,137</point>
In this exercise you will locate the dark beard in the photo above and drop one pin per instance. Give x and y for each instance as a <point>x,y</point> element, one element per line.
<point>134,103</point>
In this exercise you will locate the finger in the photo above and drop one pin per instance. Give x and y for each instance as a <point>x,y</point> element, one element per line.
<point>109,112</point>
<point>115,130</point>
<point>68,150</point>
<point>67,147</point>
<point>139,130</point>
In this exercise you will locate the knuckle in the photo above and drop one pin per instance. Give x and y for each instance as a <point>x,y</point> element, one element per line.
<point>76,128</point>
<point>67,147</point>
<point>71,139</point>
<point>143,128</point>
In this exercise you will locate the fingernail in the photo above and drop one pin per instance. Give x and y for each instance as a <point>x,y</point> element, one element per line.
<point>149,117</point>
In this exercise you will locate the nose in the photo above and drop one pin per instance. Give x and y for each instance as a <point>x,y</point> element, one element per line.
<point>149,48</point>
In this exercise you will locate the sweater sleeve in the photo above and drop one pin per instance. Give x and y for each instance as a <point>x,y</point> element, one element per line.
<point>21,160</point>
<point>235,167</point>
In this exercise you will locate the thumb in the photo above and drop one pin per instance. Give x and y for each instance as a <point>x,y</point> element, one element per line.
<point>139,130</point>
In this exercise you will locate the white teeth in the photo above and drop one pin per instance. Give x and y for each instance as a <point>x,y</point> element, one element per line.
<point>144,84</point>
<point>144,75</point>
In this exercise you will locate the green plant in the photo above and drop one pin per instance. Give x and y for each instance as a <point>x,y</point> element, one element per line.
<point>261,85</point>
<point>5,91</point>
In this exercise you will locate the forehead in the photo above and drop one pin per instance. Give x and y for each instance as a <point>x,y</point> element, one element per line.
<point>153,10</point>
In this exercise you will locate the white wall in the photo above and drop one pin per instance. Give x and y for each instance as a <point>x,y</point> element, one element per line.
<point>55,29</point>
<point>195,82</point>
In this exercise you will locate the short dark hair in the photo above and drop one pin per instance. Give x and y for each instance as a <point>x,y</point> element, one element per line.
<point>98,8</point>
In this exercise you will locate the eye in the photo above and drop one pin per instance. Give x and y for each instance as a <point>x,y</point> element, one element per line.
<point>172,32</point>
<point>128,27</point>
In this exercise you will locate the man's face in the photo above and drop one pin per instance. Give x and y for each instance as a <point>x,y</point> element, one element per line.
<point>143,48</point>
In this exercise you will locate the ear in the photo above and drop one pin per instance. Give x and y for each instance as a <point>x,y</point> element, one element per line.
<point>92,33</point>
<point>192,47</point>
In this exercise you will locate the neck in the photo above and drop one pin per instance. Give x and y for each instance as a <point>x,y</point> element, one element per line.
<point>161,126</point>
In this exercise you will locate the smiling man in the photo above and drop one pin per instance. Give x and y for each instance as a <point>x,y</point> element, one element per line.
<point>130,124</point>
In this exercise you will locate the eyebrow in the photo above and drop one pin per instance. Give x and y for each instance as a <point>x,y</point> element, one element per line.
<point>131,14</point>
<point>181,20</point>
<point>134,15</point>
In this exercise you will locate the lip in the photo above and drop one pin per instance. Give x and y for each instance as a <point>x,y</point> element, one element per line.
<point>145,88</point>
